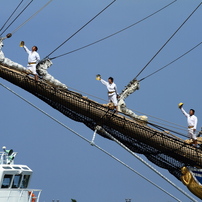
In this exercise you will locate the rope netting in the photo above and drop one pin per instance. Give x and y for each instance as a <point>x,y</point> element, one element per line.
<point>158,147</point>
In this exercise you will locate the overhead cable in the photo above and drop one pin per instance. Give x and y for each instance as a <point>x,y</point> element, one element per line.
<point>159,123</point>
<point>17,16</point>
<point>171,61</point>
<point>80,28</point>
<point>162,120</point>
<point>115,32</point>
<point>31,17</point>
<point>150,166</point>
<point>11,15</point>
<point>98,147</point>
<point>156,123</point>
<point>167,41</point>
<point>165,129</point>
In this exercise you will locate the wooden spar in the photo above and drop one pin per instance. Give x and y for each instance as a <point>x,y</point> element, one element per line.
<point>173,147</point>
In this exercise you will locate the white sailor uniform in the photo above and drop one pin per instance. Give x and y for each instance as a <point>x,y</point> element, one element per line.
<point>192,124</point>
<point>112,91</point>
<point>33,59</point>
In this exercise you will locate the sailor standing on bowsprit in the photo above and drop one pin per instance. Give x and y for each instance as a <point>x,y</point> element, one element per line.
<point>112,90</point>
<point>192,123</point>
<point>33,59</point>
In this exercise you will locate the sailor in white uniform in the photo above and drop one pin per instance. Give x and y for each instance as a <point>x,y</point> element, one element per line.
<point>112,91</point>
<point>33,59</point>
<point>192,123</point>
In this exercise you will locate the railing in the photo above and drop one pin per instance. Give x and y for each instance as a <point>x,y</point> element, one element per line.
<point>20,195</point>
<point>34,195</point>
<point>6,157</point>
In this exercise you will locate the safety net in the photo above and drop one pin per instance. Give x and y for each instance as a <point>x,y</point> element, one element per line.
<point>158,147</point>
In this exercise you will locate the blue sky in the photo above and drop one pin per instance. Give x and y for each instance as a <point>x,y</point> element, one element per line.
<point>64,165</point>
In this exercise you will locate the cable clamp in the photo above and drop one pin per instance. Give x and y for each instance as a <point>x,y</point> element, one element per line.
<point>94,134</point>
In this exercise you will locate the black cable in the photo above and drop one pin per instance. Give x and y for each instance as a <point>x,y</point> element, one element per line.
<point>17,16</point>
<point>81,28</point>
<point>163,129</point>
<point>167,41</point>
<point>115,32</point>
<point>15,30</point>
<point>171,61</point>
<point>11,15</point>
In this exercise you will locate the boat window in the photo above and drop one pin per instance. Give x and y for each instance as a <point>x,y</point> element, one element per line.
<point>15,167</point>
<point>25,168</point>
<point>25,181</point>
<point>6,181</point>
<point>7,167</point>
<point>16,181</point>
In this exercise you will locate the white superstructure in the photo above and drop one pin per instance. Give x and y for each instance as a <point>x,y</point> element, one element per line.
<point>15,179</point>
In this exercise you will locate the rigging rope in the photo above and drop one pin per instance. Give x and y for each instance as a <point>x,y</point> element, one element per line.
<point>81,28</point>
<point>105,37</point>
<point>74,89</point>
<point>163,129</point>
<point>11,15</point>
<point>172,61</point>
<point>31,17</point>
<point>152,168</point>
<point>167,41</point>
<point>161,119</point>
<point>115,158</point>
<point>159,123</point>
<point>152,122</point>
<point>183,128</point>
<point>115,32</point>
<point>17,16</point>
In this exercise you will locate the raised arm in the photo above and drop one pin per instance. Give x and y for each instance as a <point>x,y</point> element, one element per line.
<point>184,112</point>
<point>104,82</point>
<point>26,49</point>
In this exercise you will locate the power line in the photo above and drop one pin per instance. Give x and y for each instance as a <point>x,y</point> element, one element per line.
<point>81,28</point>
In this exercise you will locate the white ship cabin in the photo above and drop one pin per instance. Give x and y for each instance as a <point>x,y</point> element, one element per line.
<point>15,180</point>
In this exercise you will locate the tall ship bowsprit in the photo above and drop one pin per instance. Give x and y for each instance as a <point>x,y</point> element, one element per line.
<point>135,132</point>
<point>161,148</point>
